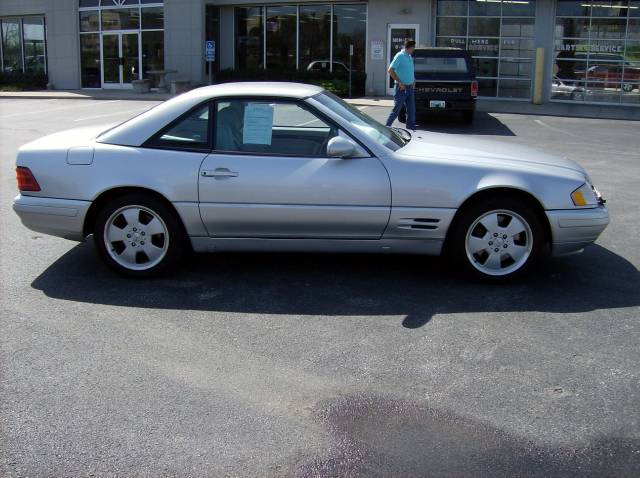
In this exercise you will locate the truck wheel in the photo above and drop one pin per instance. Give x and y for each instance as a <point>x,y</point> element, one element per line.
<point>627,87</point>
<point>467,116</point>
<point>402,117</point>
<point>497,239</point>
<point>138,235</point>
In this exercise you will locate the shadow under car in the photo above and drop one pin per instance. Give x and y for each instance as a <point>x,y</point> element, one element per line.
<point>416,287</point>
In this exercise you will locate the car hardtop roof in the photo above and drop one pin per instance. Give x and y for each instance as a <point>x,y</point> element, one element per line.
<point>256,88</point>
<point>140,128</point>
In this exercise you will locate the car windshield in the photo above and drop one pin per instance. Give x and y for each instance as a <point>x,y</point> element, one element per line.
<point>379,133</point>
<point>440,64</point>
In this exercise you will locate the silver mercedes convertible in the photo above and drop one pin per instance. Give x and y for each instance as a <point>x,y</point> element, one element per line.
<point>291,167</point>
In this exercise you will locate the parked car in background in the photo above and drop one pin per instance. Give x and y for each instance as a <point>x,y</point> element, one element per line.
<point>599,70</point>
<point>291,167</point>
<point>565,90</point>
<point>324,66</point>
<point>445,81</point>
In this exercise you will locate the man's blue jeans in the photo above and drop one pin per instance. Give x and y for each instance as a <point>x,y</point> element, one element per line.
<point>406,98</point>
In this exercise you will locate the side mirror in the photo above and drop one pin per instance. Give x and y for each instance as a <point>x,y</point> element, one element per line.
<point>339,147</point>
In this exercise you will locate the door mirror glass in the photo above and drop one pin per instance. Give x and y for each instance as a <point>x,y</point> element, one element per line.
<point>339,147</point>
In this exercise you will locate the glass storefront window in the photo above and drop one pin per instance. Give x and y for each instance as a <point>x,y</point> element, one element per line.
<point>121,19</point>
<point>152,18</point>
<point>34,44</point>
<point>11,49</point>
<point>281,37</point>
<point>120,41</point>
<point>212,32</point>
<point>501,38</point>
<point>90,60</point>
<point>451,26</point>
<point>89,21</point>
<point>299,36</point>
<point>111,3</point>
<point>349,28</point>
<point>153,52</point>
<point>249,38</point>
<point>23,44</point>
<point>315,25</point>
<point>596,59</point>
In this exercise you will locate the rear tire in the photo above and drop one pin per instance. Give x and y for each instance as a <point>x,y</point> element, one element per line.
<point>138,235</point>
<point>497,239</point>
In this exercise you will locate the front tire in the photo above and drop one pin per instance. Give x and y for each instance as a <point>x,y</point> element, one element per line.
<point>138,235</point>
<point>497,239</point>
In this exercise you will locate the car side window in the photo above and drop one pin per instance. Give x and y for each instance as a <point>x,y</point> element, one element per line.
<point>190,132</point>
<point>270,127</point>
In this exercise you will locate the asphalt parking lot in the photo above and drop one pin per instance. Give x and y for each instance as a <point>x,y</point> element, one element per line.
<point>322,365</point>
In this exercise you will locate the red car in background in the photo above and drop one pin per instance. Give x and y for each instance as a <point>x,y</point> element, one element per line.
<point>609,71</point>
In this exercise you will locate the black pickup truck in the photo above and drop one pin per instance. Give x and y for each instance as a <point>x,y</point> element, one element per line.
<point>445,81</point>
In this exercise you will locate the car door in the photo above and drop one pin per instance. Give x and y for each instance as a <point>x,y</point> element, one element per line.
<point>269,176</point>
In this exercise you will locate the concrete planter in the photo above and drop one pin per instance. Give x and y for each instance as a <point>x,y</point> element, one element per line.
<point>141,86</point>
<point>180,86</point>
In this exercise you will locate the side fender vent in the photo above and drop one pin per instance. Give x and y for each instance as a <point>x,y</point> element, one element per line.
<point>418,223</point>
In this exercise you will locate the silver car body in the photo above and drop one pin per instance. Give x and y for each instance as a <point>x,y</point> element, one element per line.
<point>394,201</point>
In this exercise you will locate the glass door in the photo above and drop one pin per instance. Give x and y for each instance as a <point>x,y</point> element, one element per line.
<point>111,60</point>
<point>120,59</point>
<point>397,34</point>
<point>130,57</point>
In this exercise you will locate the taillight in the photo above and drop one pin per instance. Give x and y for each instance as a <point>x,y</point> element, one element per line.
<point>474,88</point>
<point>26,180</point>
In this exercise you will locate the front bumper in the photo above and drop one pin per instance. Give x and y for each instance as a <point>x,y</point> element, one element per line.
<point>573,229</point>
<point>56,217</point>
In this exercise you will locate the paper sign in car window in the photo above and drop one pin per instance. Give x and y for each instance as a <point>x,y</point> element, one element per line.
<point>258,123</point>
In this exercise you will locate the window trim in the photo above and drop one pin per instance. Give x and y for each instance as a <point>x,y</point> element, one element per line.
<point>300,102</point>
<point>153,142</point>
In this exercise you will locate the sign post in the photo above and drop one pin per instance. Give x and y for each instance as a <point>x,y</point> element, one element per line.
<point>210,55</point>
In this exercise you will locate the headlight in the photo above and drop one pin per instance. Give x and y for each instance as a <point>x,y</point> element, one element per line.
<point>585,195</point>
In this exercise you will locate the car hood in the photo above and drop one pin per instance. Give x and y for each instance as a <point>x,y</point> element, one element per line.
<point>487,152</point>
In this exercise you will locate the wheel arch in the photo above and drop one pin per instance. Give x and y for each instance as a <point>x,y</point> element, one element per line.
<point>105,196</point>
<point>501,191</point>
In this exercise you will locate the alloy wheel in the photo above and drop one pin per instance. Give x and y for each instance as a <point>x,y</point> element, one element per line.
<point>499,242</point>
<point>136,237</point>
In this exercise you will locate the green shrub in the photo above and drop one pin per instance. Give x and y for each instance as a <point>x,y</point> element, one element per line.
<point>336,83</point>
<point>18,81</point>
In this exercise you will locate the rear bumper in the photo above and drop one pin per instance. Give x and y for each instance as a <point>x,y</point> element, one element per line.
<point>422,104</point>
<point>56,217</point>
<point>572,230</point>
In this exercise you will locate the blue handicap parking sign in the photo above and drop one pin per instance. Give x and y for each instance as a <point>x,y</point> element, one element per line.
<point>210,50</point>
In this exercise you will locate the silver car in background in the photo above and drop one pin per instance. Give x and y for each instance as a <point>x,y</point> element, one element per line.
<point>290,167</point>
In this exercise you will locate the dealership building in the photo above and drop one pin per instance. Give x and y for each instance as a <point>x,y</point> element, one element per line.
<point>572,51</point>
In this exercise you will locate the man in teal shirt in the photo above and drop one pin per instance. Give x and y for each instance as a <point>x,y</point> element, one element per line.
<point>402,71</point>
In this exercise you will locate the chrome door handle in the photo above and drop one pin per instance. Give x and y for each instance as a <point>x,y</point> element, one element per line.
<point>219,173</point>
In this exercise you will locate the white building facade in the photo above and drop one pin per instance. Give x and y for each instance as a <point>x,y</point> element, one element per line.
<point>590,48</point>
